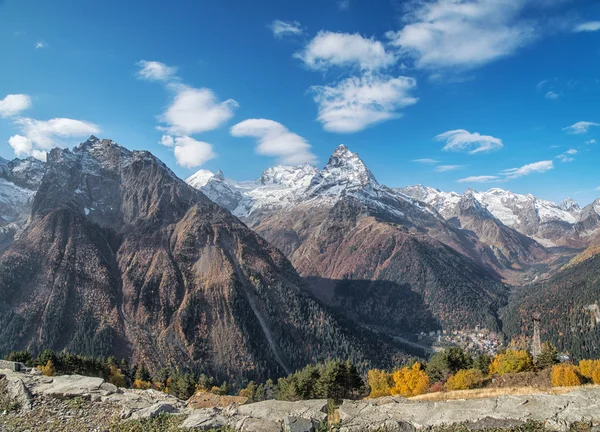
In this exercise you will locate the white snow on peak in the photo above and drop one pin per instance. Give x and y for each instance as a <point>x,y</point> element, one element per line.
<point>345,172</point>
<point>200,178</point>
<point>570,205</point>
<point>293,177</point>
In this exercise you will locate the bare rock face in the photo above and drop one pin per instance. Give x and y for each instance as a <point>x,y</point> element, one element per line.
<point>557,412</point>
<point>121,257</point>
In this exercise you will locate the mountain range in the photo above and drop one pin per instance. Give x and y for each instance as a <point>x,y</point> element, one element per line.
<point>105,251</point>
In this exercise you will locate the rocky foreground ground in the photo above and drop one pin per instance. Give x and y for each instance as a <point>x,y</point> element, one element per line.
<point>78,403</point>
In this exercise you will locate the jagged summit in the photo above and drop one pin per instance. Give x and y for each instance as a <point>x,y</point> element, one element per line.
<point>570,205</point>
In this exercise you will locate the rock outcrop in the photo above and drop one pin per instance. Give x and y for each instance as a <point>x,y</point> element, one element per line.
<point>554,411</point>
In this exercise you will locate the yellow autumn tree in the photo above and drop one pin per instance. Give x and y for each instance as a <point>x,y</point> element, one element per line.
<point>48,368</point>
<point>511,361</point>
<point>465,379</point>
<point>587,368</point>
<point>565,375</point>
<point>380,382</point>
<point>596,376</point>
<point>411,381</point>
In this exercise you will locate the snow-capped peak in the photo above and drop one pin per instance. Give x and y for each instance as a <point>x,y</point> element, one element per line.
<point>200,178</point>
<point>344,172</point>
<point>570,205</point>
<point>292,176</point>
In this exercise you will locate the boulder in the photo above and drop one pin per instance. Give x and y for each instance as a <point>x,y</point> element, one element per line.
<point>298,424</point>
<point>153,411</point>
<point>205,419</point>
<point>19,394</point>
<point>277,411</point>
<point>70,386</point>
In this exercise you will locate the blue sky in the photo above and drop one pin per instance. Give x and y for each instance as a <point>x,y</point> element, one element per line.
<point>482,92</point>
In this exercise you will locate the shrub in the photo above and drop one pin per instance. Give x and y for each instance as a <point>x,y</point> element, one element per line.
<point>436,387</point>
<point>445,363</point>
<point>564,375</point>
<point>142,385</point>
<point>465,379</point>
<point>511,361</point>
<point>587,367</point>
<point>596,376</point>
<point>548,357</point>
<point>380,382</point>
<point>410,381</point>
<point>22,357</point>
<point>116,377</point>
<point>48,368</point>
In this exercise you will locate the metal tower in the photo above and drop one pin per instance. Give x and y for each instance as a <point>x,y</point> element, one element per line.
<point>536,344</point>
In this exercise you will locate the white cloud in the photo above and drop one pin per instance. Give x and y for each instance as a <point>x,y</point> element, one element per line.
<point>196,110</point>
<point>551,95</point>
<point>286,28</point>
<point>13,104</point>
<point>274,139</point>
<point>444,168</point>
<point>478,179</point>
<point>359,102</point>
<point>192,110</point>
<point>40,45</point>
<point>343,4</point>
<point>462,34</point>
<point>427,161</point>
<point>21,145</point>
<point>565,158</point>
<point>189,153</point>
<point>329,49</point>
<point>592,141</point>
<point>155,71</point>
<point>39,136</point>
<point>462,140</point>
<point>590,26</point>
<point>580,127</point>
<point>536,167</point>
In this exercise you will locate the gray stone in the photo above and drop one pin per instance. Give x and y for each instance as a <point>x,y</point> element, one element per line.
<point>19,393</point>
<point>298,424</point>
<point>250,424</point>
<point>205,419</point>
<point>70,386</point>
<point>153,411</point>
<point>277,411</point>
<point>109,388</point>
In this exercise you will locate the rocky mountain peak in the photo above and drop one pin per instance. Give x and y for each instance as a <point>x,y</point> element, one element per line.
<point>344,172</point>
<point>570,205</point>
<point>219,175</point>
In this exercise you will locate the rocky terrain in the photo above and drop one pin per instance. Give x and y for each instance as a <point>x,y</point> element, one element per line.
<point>120,257</point>
<point>73,402</point>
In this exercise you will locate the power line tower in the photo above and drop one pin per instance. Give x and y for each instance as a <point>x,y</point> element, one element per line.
<point>536,344</point>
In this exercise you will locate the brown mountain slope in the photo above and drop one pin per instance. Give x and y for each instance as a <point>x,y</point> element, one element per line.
<point>122,257</point>
<point>381,273</point>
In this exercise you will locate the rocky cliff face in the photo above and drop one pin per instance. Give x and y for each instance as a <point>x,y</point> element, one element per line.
<point>121,257</point>
<point>381,258</point>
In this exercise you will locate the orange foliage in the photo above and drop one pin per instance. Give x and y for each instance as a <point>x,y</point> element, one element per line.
<point>565,375</point>
<point>410,381</point>
<point>142,385</point>
<point>587,367</point>
<point>48,369</point>
<point>465,379</point>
